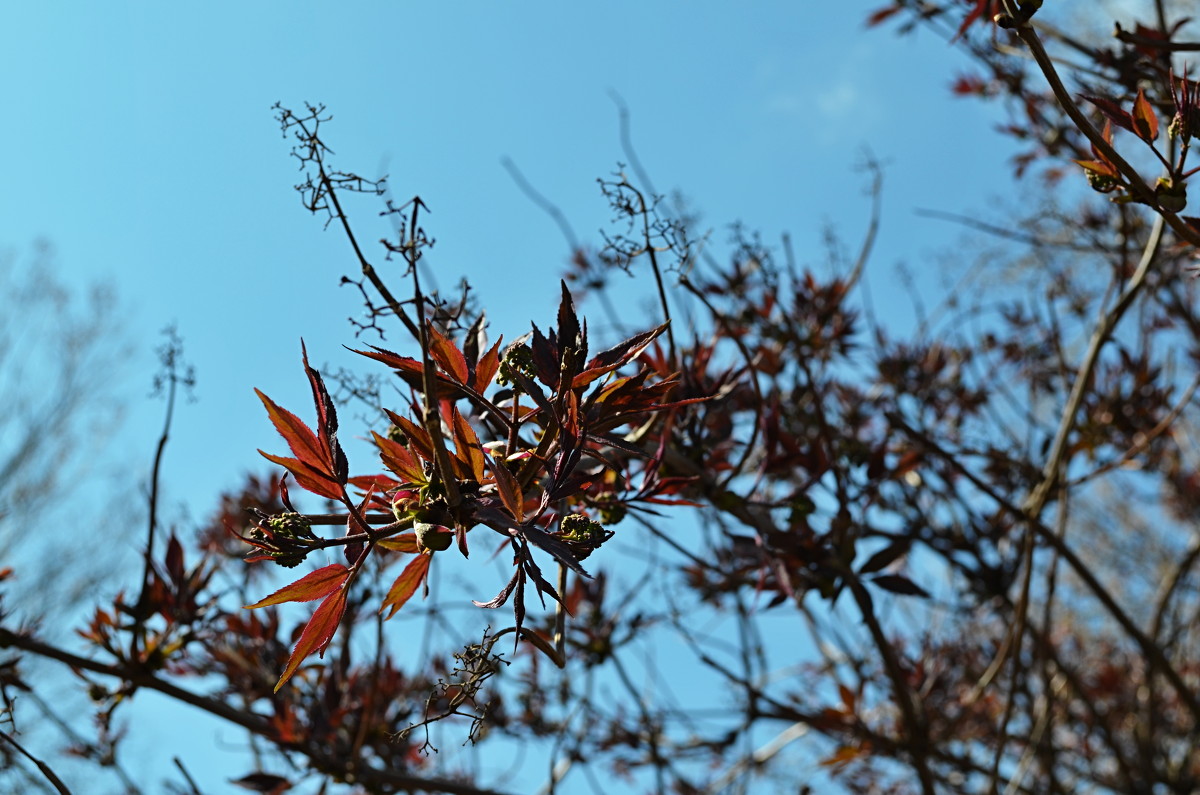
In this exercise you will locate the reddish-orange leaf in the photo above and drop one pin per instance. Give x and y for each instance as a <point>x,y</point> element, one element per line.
<point>405,542</point>
<point>843,756</point>
<point>486,369</point>
<point>300,438</point>
<point>880,15</point>
<point>1096,167</point>
<point>418,437</point>
<point>510,491</point>
<point>447,355</point>
<point>398,459</point>
<point>1145,120</point>
<point>314,585</point>
<point>466,442</point>
<point>406,584</point>
<point>412,371</point>
<point>977,12</point>
<point>317,633</point>
<point>618,355</point>
<point>308,478</point>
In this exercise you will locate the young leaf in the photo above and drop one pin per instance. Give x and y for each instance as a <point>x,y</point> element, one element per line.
<point>317,634</point>
<point>447,355</point>
<point>486,369</point>
<point>411,372</point>
<point>327,423</point>
<point>1113,111</point>
<point>418,437</point>
<point>399,460</point>
<point>406,584</point>
<point>314,585</point>
<point>609,360</point>
<point>467,446</point>
<point>309,478</point>
<point>509,490</point>
<point>569,333</point>
<point>1145,121</point>
<point>405,542</point>
<point>303,442</point>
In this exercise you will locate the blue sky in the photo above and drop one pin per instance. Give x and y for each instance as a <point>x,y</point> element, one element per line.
<point>139,141</point>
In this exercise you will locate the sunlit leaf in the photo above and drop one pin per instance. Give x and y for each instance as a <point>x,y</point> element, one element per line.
<point>466,443</point>
<point>447,355</point>
<point>616,356</point>
<point>1114,112</point>
<point>303,442</point>
<point>317,634</point>
<point>399,459</point>
<point>509,490</point>
<point>309,478</point>
<point>404,542</point>
<point>418,437</point>
<point>314,585</point>
<point>327,423</point>
<point>1145,120</point>
<point>487,367</point>
<point>406,584</point>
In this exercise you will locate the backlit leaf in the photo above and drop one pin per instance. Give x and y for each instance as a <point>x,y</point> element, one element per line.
<point>1115,113</point>
<point>406,584</point>
<point>447,355</point>
<point>399,459</point>
<point>467,445</point>
<point>405,542</point>
<point>314,585</point>
<point>303,442</point>
<point>317,634</point>
<point>510,491</point>
<point>1145,120</point>
<point>327,423</point>
<point>486,369</point>
<point>616,356</point>
<point>309,478</point>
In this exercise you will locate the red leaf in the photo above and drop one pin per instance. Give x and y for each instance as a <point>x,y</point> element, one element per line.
<point>486,369</point>
<point>398,459</point>
<point>315,481</point>
<point>406,584</point>
<point>617,356</point>
<point>405,542</point>
<point>974,14</point>
<point>1113,111</point>
<point>879,16</point>
<point>447,355</point>
<point>303,442</point>
<point>1145,121</point>
<point>418,437</point>
<point>411,371</point>
<point>317,634</point>
<point>466,443</point>
<point>314,585</point>
<point>175,567</point>
<point>327,423</point>
<point>510,491</point>
<point>1096,167</point>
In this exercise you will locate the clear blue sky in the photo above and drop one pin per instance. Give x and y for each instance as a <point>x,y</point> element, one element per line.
<point>139,140</point>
